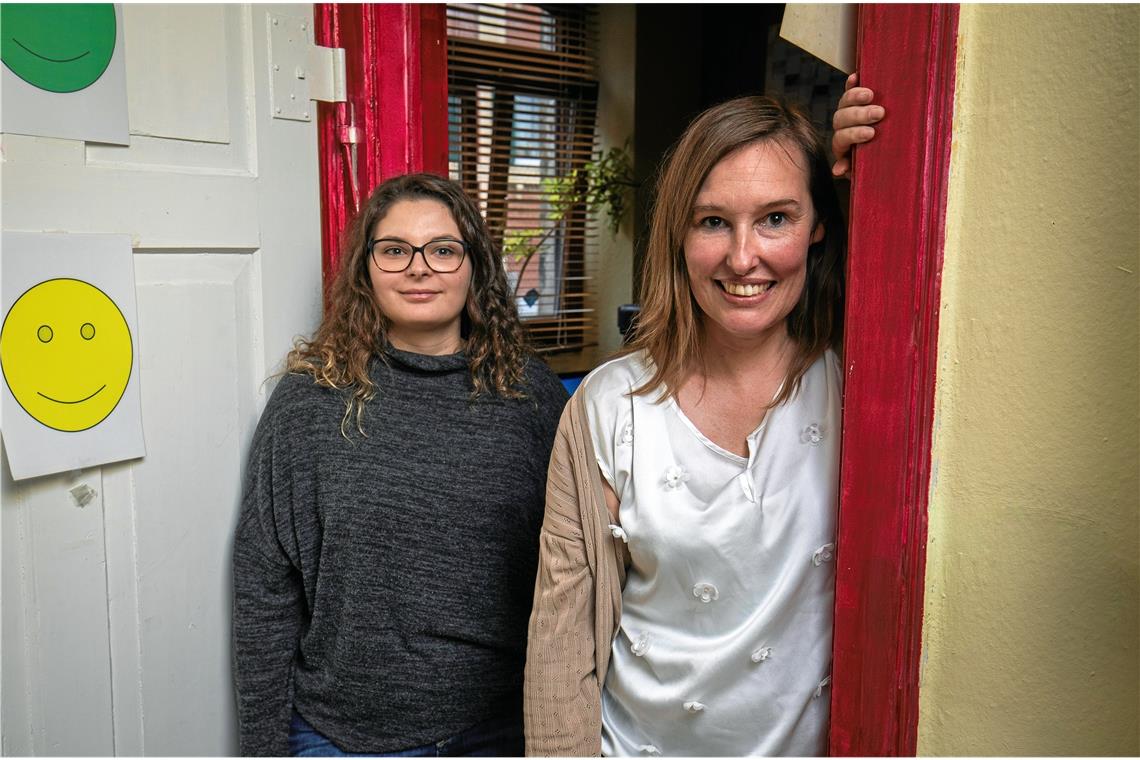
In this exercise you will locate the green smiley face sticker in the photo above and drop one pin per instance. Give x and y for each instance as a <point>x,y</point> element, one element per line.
<point>57,47</point>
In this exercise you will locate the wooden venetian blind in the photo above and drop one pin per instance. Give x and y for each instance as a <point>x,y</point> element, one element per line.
<point>522,106</point>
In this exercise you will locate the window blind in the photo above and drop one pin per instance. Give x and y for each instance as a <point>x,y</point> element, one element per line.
<point>522,109</point>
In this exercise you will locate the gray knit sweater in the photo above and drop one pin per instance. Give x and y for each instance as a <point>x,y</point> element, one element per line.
<point>382,585</point>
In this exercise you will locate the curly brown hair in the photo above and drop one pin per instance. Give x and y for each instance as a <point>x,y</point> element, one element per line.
<point>354,330</point>
<point>668,327</point>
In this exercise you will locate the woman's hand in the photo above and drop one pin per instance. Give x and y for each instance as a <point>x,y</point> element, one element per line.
<point>852,123</point>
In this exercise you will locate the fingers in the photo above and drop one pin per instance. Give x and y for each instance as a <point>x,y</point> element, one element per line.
<point>855,96</point>
<point>841,143</point>
<point>845,137</point>
<point>856,106</point>
<point>856,116</point>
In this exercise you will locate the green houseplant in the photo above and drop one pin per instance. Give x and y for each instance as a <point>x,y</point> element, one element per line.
<point>603,184</point>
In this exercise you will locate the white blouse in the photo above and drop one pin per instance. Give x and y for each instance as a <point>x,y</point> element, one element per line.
<point>724,646</point>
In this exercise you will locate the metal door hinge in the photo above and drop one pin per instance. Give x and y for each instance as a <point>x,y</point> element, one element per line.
<point>300,72</point>
<point>326,67</point>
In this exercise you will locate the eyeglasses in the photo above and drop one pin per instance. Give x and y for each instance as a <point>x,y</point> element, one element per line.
<point>395,255</point>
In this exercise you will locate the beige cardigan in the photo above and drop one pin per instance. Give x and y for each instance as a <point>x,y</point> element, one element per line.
<point>577,600</point>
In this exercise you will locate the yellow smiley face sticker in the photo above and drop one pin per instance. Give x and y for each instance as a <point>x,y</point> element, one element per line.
<point>66,353</point>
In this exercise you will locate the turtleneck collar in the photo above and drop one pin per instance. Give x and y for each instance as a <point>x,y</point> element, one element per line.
<point>426,362</point>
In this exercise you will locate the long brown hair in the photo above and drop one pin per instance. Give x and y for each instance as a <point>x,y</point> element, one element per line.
<point>354,330</point>
<point>669,324</point>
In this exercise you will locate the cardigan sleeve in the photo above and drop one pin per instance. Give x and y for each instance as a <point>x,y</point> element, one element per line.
<point>562,693</point>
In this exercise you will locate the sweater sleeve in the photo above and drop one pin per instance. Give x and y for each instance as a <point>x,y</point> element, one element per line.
<point>269,603</point>
<point>562,696</point>
<point>550,398</point>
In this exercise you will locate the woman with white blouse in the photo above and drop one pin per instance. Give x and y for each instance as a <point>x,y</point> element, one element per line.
<point>684,597</point>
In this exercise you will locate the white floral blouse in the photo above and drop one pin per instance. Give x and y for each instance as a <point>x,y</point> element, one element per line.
<point>724,646</point>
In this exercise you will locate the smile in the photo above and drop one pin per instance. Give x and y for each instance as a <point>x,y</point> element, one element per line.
<point>745,289</point>
<point>80,401</point>
<point>52,60</point>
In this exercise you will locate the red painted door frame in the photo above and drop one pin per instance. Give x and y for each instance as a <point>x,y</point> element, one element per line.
<point>898,208</point>
<point>397,84</point>
<point>395,120</point>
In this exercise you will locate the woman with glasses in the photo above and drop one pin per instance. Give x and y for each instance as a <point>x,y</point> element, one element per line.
<point>686,581</point>
<point>385,556</point>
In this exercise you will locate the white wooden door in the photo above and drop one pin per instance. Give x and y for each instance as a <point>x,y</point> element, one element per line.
<point>116,615</point>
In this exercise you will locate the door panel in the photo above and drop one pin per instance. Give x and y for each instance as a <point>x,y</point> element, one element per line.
<point>116,614</point>
<point>166,43</point>
<point>53,553</point>
<point>201,391</point>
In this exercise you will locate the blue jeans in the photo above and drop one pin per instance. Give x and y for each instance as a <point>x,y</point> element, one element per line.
<point>501,737</point>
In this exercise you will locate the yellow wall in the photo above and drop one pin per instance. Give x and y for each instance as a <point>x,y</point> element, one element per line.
<point>1032,585</point>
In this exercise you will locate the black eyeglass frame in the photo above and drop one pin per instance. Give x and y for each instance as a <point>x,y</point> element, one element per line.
<point>370,247</point>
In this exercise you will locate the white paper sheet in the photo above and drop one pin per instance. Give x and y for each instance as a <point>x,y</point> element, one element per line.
<point>826,30</point>
<point>56,77</point>
<point>69,352</point>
